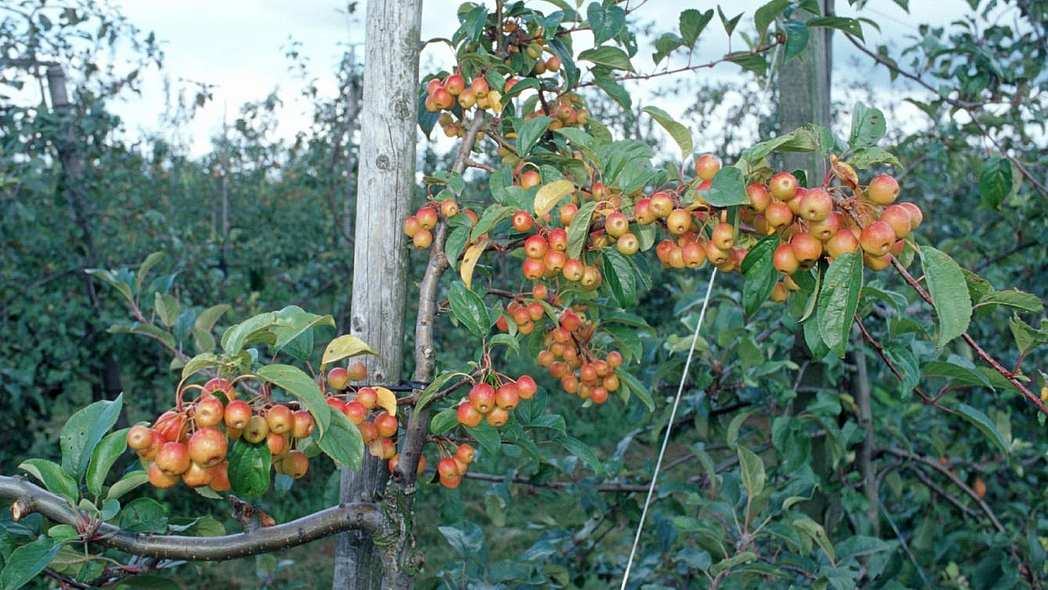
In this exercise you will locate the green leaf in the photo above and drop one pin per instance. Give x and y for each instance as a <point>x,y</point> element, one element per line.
<point>455,243</point>
<point>613,89</point>
<point>638,388</point>
<point>758,268</point>
<point>860,545</point>
<point>797,37</point>
<point>949,291</point>
<point>727,188</point>
<point>167,307</point>
<point>839,300</point>
<point>765,15</point>
<point>144,515</point>
<point>867,126</point>
<point>799,140</point>
<point>443,421</point>
<point>249,467</point>
<point>666,44</point>
<point>578,231</point>
<point>143,270</point>
<point>608,56</point>
<point>149,330</point>
<point>102,460</point>
<point>342,442</point>
<point>504,340</point>
<point>864,157</point>
<point>729,23</point>
<point>488,436</point>
<point>249,331</point>
<point>985,425</point>
<point>209,317</point>
<point>692,23</point>
<point>1026,336</point>
<point>529,133</point>
<point>53,477</point>
<point>492,216</point>
<point>605,23</point>
<point>293,324</point>
<point>127,483</point>
<point>752,472</point>
<point>582,451</point>
<point>198,363</point>
<point>678,132</point>
<point>469,309</point>
<point>111,279</point>
<point>956,372</point>
<point>302,387</point>
<point>26,562</point>
<point>848,25</point>
<point>619,277</point>
<point>995,181</point>
<point>83,431</point>
<point>1013,298</point>
<point>735,560</point>
<point>817,534</point>
<point>435,386</point>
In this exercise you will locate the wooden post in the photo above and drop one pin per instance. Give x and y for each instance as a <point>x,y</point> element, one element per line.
<point>385,183</point>
<point>804,99</point>
<point>804,95</point>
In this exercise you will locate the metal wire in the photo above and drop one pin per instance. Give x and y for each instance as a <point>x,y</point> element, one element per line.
<point>669,429</point>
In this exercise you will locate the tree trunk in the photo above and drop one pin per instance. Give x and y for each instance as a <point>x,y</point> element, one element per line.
<point>385,183</point>
<point>804,99</point>
<point>108,385</point>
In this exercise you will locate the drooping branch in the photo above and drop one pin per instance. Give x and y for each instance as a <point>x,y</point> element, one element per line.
<point>968,107</point>
<point>978,350</point>
<point>29,498</point>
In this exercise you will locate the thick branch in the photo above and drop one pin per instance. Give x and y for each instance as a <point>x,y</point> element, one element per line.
<point>29,498</point>
<point>425,352</point>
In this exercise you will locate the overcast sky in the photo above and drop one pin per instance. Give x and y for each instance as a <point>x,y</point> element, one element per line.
<point>239,46</point>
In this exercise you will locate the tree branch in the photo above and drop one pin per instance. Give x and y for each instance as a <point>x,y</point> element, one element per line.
<point>949,475</point>
<point>29,498</point>
<point>979,352</point>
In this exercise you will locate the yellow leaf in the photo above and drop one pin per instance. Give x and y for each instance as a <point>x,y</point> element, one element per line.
<point>549,194</point>
<point>469,261</point>
<point>387,400</point>
<point>344,347</point>
<point>844,172</point>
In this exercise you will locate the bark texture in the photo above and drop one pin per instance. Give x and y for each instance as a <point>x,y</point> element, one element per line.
<point>385,182</point>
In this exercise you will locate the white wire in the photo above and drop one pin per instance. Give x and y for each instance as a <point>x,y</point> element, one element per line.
<point>669,428</point>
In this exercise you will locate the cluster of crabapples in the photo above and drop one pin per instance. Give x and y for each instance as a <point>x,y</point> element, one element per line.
<point>419,227</point>
<point>189,444</point>
<point>827,222</point>
<point>452,466</point>
<point>378,428</point>
<point>444,95</point>
<point>493,404</point>
<point>567,352</point>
